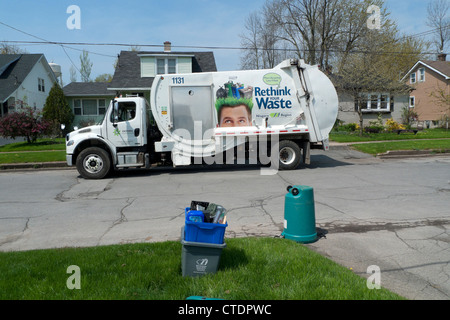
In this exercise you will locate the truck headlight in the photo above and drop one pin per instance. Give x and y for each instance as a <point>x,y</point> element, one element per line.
<point>71,142</point>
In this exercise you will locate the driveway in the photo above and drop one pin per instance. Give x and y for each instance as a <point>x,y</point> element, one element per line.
<point>393,214</point>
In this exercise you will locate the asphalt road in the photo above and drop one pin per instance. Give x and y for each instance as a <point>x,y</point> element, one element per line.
<point>393,214</point>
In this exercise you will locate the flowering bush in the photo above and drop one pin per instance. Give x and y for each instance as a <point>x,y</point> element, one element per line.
<point>24,123</point>
<point>392,125</point>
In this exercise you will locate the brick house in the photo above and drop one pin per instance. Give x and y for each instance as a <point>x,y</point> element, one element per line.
<point>429,78</point>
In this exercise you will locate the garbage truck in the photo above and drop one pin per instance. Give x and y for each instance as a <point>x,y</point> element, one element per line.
<point>271,116</point>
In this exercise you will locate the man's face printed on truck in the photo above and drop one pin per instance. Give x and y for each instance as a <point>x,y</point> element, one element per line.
<point>234,116</point>
<point>233,112</point>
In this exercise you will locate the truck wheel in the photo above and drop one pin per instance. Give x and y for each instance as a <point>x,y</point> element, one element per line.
<point>289,155</point>
<point>93,163</point>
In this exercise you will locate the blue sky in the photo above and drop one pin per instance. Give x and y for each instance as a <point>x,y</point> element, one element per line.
<point>216,23</point>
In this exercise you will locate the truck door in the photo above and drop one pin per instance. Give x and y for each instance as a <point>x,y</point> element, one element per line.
<point>192,111</point>
<point>128,131</point>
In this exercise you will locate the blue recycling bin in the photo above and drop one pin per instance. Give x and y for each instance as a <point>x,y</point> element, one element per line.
<point>299,214</point>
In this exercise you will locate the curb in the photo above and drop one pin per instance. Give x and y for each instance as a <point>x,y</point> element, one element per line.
<point>62,165</point>
<point>412,153</point>
<point>35,166</point>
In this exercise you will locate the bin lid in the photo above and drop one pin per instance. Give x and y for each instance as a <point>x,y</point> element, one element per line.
<point>203,244</point>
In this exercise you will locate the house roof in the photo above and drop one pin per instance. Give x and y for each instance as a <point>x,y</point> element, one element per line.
<point>361,83</point>
<point>14,68</point>
<point>440,67</point>
<point>87,89</point>
<point>128,71</point>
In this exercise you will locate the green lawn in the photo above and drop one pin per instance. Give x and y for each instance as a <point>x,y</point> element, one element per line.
<point>431,139</point>
<point>382,147</point>
<point>27,157</point>
<point>354,136</point>
<point>250,268</point>
<point>39,145</point>
<point>44,150</point>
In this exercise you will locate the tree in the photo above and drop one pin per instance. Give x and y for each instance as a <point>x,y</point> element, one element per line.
<point>261,43</point>
<point>320,32</point>
<point>360,77</point>
<point>56,109</point>
<point>24,123</point>
<point>439,20</point>
<point>73,74</point>
<point>10,49</point>
<point>86,67</point>
<point>105,77</point>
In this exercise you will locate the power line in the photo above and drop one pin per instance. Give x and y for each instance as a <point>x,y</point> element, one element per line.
<point>68,44</point>
<point>45,41</point>
<point>64,44</point>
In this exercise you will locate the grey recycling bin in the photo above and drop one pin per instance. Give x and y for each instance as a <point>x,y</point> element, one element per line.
<point>199,258</point>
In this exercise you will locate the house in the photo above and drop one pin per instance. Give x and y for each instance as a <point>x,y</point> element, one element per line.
<point>25,80</point>
<point>88,100</point>
<point>430,79</point>
<point>134,75</point>
<point>136,70</point>
<point>389,106</point>
<point>378,98</point>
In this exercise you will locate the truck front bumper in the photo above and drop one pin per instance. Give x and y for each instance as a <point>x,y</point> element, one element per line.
<point>69,159</point>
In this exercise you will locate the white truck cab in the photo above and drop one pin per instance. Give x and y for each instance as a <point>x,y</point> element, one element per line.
<point>119,141</point>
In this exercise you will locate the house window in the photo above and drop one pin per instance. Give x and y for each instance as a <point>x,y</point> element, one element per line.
<point>171,66</point>
<point>384,102</point>
<point>160,66</point>
<point>412,78</point>
<point>166,65</point>
<point>41,85</point>
<point>89,107</point>
<point>412,102</point>
<point>421,74</point>
<point>77,107</point>
<point>376,102</point>
<point>101,106</point>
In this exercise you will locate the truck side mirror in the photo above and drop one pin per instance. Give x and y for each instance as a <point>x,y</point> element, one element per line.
<point>115,113</point>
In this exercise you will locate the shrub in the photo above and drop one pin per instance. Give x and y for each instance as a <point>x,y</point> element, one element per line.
<point>375,126</point>
<point>57,111</point>
<point>348,127</point>
<point>392,125</point>
<point>24,123</point>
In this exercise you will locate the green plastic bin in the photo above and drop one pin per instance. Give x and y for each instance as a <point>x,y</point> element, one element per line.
<point>299,214</point>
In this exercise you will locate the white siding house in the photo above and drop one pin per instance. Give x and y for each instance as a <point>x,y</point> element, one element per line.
<point>25,80</point>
